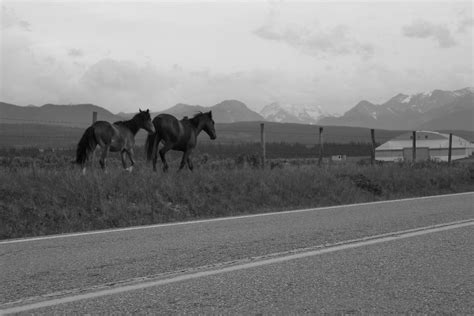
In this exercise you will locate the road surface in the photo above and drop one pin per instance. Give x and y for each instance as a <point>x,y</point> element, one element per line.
<point>410,255</point>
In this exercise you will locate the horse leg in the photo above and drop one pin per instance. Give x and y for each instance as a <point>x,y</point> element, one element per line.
<point>183,160</point>
<point>163,151</point>
<point>130,156</point>
<point>155,152</point>
<point>190,163</point>
<point>103,157</point>
<point>154,161</point>
<point>187,154</point>
<point>122,155</point>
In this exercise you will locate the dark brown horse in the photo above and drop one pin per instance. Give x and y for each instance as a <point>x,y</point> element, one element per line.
<point>119,136</point>
<point>177,135</point>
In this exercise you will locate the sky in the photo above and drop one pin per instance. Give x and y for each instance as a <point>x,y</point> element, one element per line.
<point>124,55</point>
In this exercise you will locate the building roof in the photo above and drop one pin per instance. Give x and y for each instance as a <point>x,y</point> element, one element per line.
<point>424,139</point>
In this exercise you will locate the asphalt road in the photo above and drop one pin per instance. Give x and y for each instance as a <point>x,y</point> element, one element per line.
<point>426,273</point>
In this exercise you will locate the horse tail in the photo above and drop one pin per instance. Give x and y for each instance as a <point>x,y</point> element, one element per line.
<point>85,146</point>
<point>150,145</point>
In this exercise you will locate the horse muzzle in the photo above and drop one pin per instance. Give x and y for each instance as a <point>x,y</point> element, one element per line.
<point>151,130</point>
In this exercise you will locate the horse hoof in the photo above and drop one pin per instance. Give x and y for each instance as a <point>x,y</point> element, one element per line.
<point>129,169</point>
<point>83,171</point>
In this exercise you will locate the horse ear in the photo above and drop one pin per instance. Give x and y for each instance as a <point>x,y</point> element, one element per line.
<point>140,110</point>
<point>210,114</point>
<point>148,110</point>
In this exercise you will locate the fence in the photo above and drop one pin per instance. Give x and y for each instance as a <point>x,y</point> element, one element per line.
<point>274,140</point>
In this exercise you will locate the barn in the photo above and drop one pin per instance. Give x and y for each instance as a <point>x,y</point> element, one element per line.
<point>429,146</point>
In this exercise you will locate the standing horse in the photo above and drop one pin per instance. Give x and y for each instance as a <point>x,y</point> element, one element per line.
<point>177,135</point>
<point>119,136</point>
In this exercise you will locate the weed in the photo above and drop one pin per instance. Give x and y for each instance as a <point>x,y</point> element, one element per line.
<point>52,196</point>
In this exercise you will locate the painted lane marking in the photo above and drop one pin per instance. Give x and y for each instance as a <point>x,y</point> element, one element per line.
<point>106,231</point>
<point>350,244</point>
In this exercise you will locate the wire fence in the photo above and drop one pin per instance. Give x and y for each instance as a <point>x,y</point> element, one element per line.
<point>269,140</point>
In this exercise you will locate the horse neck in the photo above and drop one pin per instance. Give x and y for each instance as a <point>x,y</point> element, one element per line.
<point>197,125</point>
<point>132,125</point>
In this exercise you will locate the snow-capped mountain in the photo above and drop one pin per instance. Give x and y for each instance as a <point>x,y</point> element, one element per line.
<point>290,113</point>
<point>431,110</point>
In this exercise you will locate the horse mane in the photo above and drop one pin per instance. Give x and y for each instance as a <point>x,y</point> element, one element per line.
<point>195,119</point>
<point>130,124</point>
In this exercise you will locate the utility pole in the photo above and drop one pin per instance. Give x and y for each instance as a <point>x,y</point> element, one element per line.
<point>450,147</point>
<point>414,147</point>
<point>262,141</point>
<point>320,146</point>
<point>372,153</point>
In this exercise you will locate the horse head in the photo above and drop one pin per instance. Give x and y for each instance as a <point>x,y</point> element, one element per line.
<point>208,124</point>
<point>144,120</point>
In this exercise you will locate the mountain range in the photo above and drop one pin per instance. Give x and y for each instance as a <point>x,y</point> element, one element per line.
<point>78,115</point>
<point>228,111</point>
<point>435,110</point>
<point>291,113</point>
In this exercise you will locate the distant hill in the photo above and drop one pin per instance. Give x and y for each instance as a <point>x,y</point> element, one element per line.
<point>181,110</point>
<point>434,110</point>
<point>228,111</point>
<point>292,113</point>
<point>458,114</point>
<point>79,115</point>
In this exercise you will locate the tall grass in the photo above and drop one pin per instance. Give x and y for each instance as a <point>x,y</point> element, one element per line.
<point>38,200</point>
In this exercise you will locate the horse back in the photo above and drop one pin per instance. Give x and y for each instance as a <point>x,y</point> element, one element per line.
<point>105,133</point>
<point>171,130</point>
<point>168,127</point>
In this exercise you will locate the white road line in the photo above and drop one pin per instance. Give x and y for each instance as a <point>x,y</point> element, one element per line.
<point>351,244</point>
<point>106,231</point>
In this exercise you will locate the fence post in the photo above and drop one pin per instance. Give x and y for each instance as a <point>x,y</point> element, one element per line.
<point>94,119</point>
<point>372,153</point>
<point>414,147</point>
<point>262,141</point>
<point>450,147</point>
<point>320,146</point>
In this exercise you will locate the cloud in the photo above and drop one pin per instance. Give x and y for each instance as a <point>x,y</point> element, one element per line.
<point>11,20</point>
<point>316,41</point>
<point>425,29</point>
<point>75,52</point>
<point>31,76</point>
<point>30,73</point>
<point>465,24</point>
<point>121,84</point>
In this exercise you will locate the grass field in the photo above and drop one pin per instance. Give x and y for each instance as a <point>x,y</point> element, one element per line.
<point>47,194</point>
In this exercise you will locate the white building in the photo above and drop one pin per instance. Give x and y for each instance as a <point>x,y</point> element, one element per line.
<point>429,145</point>
<point>339,158</point>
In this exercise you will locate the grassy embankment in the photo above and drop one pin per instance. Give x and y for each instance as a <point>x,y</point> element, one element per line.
<point>39,199</point>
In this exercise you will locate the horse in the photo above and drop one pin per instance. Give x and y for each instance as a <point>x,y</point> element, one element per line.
<point>116,137</point>
<point>179,135</point>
